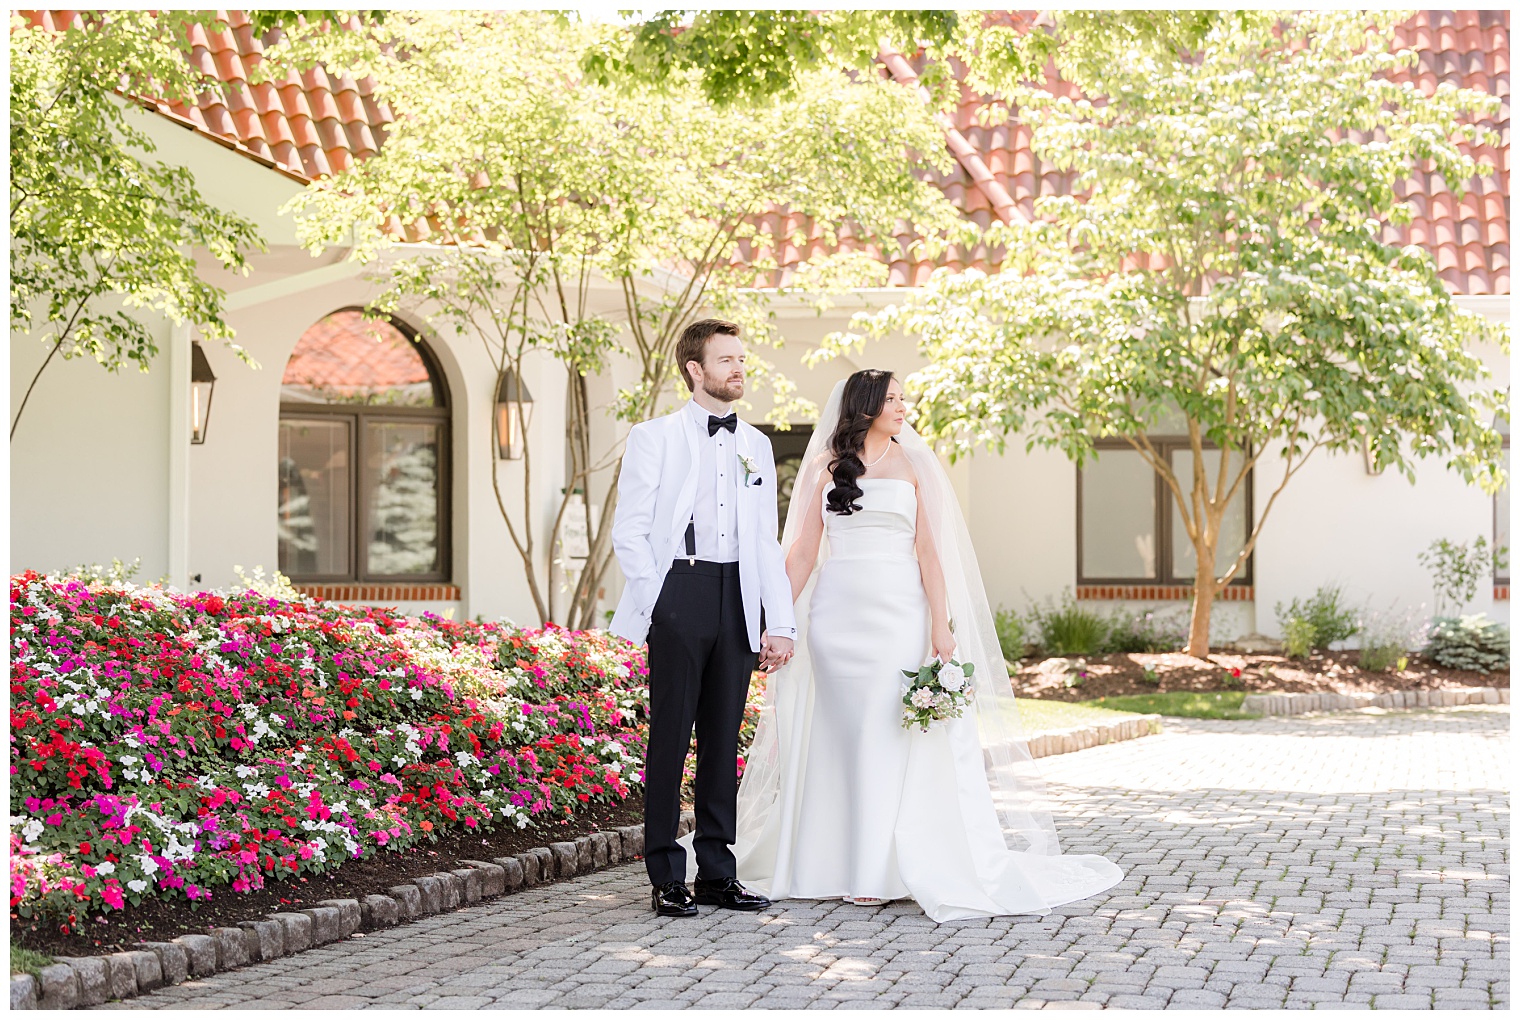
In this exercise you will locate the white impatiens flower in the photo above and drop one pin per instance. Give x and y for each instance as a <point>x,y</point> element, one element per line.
<point>137,885</point>
<point>952,677</point>
<point>105,868</point>
<point>923,698</point>
<point>31,830</point>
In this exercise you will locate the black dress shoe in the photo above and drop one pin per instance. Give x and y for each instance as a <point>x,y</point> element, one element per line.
<point>729,894</point>
<point>672,899</point>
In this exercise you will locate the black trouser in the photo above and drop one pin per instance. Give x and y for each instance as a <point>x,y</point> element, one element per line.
<point>699,670</point>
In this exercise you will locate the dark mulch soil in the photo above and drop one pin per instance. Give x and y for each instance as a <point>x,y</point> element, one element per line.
<point>1322,672</point>
<point>161,920</point>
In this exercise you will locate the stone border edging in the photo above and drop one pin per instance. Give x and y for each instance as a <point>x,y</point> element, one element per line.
<point>90,981</point>
<point>1076,738</point>
<point>1298,704</point>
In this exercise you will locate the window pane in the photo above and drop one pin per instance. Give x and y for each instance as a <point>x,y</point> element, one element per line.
<point>1233,527</point>
<point>401,462</point>
<point>1119,517</point>
<point>315,502</point>
<point>787,469</point>
<point>345,360</point>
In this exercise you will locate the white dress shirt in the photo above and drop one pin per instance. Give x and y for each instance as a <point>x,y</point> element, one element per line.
<point>715,516</point>
<point>716,513</point>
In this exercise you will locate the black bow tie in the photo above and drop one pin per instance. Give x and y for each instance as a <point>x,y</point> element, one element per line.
<point>714,423</point>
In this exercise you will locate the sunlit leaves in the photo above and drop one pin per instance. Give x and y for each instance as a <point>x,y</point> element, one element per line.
<point>1219,271</point>
<point>100,226</point>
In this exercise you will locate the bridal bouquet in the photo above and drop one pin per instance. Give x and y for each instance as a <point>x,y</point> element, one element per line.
<point>936,691</point>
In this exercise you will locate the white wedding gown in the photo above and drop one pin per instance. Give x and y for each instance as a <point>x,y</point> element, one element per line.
<point>875,809</point>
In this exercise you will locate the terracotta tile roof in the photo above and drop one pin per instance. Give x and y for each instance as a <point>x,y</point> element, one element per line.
<point>318,123</point>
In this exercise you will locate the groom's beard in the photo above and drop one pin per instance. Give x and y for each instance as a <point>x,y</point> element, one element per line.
<point>727,392</point>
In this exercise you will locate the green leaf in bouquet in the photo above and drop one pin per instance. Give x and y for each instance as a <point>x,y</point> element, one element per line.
<point>911,674</point>
<point>925,673</point>
<point>968,668</point>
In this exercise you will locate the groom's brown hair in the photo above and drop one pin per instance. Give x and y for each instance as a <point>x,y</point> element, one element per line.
<point>693,343</point>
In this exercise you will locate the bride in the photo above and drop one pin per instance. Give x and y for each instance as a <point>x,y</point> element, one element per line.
<point>838,798</point>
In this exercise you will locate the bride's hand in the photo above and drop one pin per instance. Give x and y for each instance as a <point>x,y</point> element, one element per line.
<point>942,642</point>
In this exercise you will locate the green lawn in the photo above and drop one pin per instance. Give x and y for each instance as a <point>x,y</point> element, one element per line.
<point>25,961</point>
<point>1042,716</point>
<point>1195,704</point>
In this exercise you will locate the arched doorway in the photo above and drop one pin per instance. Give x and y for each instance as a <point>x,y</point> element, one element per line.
<point>363,455</point>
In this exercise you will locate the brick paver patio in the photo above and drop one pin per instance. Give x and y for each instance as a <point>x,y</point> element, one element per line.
<point>1343,860</point>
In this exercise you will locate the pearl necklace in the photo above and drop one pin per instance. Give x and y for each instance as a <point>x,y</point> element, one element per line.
<point>878,460</point>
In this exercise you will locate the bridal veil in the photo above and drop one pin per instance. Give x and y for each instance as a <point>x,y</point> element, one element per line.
<point>768,792</point>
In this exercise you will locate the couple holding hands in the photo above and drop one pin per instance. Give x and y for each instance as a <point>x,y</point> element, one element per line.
<point>874,575</point>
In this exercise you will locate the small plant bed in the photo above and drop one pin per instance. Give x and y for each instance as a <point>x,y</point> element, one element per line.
<point>1335,672</point>
<point>182,760</point>
<point>160,920</point>
<point>1191,704</point>
<point>1044,716</point>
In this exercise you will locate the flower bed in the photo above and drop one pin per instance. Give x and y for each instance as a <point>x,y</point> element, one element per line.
<point>171,745</point>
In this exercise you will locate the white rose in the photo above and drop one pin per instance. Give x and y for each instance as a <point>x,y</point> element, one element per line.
<point>952,678</point>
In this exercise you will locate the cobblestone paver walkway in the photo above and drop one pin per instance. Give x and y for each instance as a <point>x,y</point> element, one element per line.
<point>1344,860</point>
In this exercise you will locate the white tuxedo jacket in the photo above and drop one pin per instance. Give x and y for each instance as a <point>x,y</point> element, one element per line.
<point>657,490</point>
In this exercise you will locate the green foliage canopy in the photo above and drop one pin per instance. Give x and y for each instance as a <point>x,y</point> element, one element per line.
<point>99,227</point>
<point>546,179</point>
<point>1222,273</point>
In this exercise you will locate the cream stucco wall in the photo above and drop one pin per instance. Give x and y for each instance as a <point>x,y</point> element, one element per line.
<point>88,462</point>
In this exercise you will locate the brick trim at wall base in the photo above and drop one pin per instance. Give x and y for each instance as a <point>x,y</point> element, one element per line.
<point>381,592</point>
<point>1161,592</point>
<point>1501,593</point>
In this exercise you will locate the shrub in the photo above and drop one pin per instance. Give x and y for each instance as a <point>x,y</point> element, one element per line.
<point>1298,637</point>
<point>1069,629</point>
<point>1469,642</point>
<point>1012,634</point>
<point>1323,619</point>
<point>1149,631</point>
<point>1456,568</point>
<point>1387,638</point>
<point>172,745</point>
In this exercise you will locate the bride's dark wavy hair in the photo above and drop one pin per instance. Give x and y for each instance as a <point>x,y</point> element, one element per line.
<point>865,393</point>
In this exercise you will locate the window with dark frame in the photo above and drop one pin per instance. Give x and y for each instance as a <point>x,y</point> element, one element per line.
<point>1129,530</point>
<point>363,455</point>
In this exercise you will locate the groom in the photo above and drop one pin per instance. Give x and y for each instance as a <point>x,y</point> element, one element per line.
<point>695,535</point>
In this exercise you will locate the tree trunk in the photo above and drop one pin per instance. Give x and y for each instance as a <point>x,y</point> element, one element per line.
<point>1204,587</point>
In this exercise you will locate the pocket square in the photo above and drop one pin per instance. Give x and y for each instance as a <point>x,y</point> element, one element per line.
<point>757,481</point>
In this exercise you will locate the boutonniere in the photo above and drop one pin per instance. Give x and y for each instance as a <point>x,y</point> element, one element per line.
<point>750,470</point>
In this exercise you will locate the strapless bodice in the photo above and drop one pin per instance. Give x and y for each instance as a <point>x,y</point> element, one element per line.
<point>884,525</point>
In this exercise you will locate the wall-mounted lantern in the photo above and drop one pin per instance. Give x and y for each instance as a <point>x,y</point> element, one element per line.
<point>202,382</point>
<point>514,409</point>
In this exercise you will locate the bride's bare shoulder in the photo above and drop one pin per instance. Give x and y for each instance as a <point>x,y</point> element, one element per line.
<point>902,467</point>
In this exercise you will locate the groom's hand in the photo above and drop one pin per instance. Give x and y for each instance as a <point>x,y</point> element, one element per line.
<point>775,652</point>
